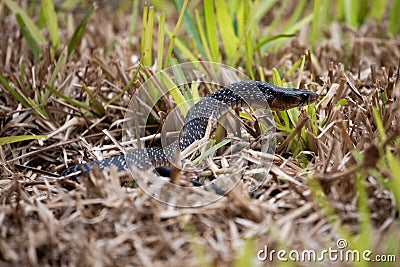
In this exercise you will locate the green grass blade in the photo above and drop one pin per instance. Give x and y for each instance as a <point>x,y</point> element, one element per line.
<point>175,32</point>
<point>260,9</point>
<point>295,66</point>
<point>57,68</point>
<point>191,27</point>
<point>362,10</point>
<point>312,112</point>
<point>182,83</point>
<point>38,107</point>
<point>293,114</point>
<point>22,74</point>
<point>160,44</point>
<point>176,94</point>
<point>147,37</point>
<point>96,106</point>
<point>135,12</point>
<point>378,9</point>
<point>51,21</point>
<point>33,45</point>
<point>14,139</point>
<point>379,123</point>
<point>341,102</point>
<point>249,55</point>
<point>199,252</point>
<point>241,18</point>
<point>194,89</point>
<point>41,21</point>
<point>315,23</point>
<point>277,18</point>
<point>225,24</point>
<point>210,151</point>
<point>351,9</point>
<point>70,4</point>
<point>303,60</point>
<point>293,29</point>
<point>339,11</point>
<point>261,73</point>
<point>203,36</point>
<point>296,15</point>
<point>394,167</point>
<point>246,257</point>
<point>182,47</point>
<point>144,29</point>
<point>363,242</point>
<point>14,93</point>
<point>126,88</point>
<point>394,25</point>
<point>268,39</point>
<point>326,208</point>
<point>76,37</point>
<point>67,99</point>
<point>211,29</point>
<point>276,78</point>
<point>31,27</point>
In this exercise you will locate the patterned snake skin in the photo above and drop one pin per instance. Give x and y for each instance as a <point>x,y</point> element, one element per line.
<point>211,107</point>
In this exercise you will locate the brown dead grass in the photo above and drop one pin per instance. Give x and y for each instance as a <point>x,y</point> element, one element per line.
<point>45,220</point>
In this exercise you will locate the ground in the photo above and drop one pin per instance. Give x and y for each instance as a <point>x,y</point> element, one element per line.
<point>334,176</point>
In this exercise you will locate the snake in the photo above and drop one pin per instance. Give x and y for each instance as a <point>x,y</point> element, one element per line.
<point>231,96</point>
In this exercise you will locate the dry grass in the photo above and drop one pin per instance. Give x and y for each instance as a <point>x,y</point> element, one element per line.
<point>45,220</point>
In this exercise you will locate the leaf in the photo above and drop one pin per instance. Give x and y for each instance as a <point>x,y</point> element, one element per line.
<point>191,27</point>
<point>209,151</point>
<point>126,87</point>
<point>14,93</point>
<point>351,12</point>
<point>56,70</point>
<point>97,107</point>
<point>147,36</point>
<point>249,55</point>
<point>31,27</point>
<point>394,25</point>
<point>394,166</point>
<point>176,94</point>
<point>246,257</point>
<point>270,39</point>
<point>174,33</point>
<point>182,47</point>
<point>379,123</point>
<point>276,77</point>
<point>32,43</point>
<point>212,35</point>
<point>341,102</point>
<point>67,99</point>
<point>51,21</point>
<point>160,43</point>
<point>203,36</point>
<point>76,37</point>
<point>229,39</point>
<point>13,139</point>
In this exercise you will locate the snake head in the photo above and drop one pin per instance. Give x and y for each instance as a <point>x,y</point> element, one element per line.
<point>291,98</point>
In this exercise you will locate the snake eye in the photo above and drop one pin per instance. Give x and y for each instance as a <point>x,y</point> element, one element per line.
<point>304,98</point>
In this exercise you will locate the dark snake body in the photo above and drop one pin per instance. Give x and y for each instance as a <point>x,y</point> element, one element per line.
<point>211,107</point>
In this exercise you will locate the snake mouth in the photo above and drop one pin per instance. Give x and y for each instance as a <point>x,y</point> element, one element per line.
<point>310,97</point>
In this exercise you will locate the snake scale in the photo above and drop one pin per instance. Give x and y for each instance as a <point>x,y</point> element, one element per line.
<point>230,96</point>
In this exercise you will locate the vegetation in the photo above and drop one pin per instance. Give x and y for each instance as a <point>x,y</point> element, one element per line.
<point>69,69</point>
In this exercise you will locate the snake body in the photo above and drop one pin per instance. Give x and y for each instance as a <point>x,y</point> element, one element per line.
<point>231,96</point>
